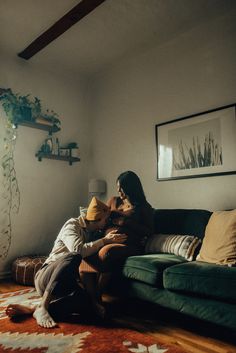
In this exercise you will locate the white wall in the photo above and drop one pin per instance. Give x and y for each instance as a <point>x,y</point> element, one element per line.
<point>51,191</point>
<point>194,72</point>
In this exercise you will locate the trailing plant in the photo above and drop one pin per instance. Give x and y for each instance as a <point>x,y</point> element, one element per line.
<point>52,117</point>
<point>17,108</point>
<point>11,192</point>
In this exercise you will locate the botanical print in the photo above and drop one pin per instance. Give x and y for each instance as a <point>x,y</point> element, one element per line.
<point>197,145</point>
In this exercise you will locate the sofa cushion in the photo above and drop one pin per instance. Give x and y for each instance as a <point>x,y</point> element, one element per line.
<point>203,279</point>
<point>181,245</point>
<point>149,268</point>
<point>181,221</point>
<point>219,243</point>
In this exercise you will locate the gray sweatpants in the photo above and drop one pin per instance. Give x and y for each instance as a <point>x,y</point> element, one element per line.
<point>61,280</point>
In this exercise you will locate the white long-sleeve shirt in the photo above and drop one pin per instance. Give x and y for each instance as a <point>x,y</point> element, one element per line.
<point>74,237</point>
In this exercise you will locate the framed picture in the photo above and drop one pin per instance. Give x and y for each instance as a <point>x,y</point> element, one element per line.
<point>199,145</point>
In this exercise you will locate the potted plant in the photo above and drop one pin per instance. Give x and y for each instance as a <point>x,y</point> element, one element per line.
<point>36,108</point>
<point>52,117</point>
<point>17,107</point>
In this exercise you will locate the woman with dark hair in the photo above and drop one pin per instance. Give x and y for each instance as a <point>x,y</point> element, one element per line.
<point>130,184</point>
<point>130,211</point>
<point>131,215</point>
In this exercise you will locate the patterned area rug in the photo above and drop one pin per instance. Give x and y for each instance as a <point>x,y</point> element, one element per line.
<point>25,335</point>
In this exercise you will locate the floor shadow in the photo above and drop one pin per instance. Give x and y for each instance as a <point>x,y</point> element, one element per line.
<point>152,317</point>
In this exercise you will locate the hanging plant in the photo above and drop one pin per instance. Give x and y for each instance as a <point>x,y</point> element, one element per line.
<point>11,192</point>
<point>21,108</point>
<point>52,117</point>
<point>17,109</point>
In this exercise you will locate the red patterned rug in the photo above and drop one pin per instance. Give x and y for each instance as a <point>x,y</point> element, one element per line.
<point>26,336</point>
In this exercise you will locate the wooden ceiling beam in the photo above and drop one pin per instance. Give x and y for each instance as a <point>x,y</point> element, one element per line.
<point>81,10</point>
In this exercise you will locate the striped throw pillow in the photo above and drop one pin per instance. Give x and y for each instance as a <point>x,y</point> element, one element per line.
<point>181,245</point>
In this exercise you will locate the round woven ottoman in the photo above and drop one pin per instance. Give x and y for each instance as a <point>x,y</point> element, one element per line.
<point>24,268</point>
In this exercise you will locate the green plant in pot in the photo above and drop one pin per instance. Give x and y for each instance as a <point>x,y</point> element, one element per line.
<point>52,117</point>
<point>24,108</point>
<point>36,108</point>
<point>16,107</point>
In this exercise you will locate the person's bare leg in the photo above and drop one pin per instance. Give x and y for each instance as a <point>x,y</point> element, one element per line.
<point>14,310</point>
<point>103,281</point>
<point>89,280</point>
<point>41,313</point>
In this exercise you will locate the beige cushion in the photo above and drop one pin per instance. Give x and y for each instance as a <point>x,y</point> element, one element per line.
<point>219,243</point>
<point>181,245</point>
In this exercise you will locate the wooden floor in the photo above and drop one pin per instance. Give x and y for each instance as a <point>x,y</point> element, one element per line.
<point>191,335</point>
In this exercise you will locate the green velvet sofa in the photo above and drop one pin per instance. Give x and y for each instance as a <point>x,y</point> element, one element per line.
<point>197,289</point>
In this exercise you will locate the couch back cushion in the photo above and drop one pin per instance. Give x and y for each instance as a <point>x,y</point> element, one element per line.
<point>181,221</point>
<point>219,243</point>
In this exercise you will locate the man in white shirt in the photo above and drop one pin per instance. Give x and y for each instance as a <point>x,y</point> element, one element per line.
<point>57,280</point>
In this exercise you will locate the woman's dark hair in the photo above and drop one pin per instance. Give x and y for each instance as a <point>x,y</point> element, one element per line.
<point>132,187</point>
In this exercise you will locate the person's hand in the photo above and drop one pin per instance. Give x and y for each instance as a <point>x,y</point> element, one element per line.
<point>114,237</point>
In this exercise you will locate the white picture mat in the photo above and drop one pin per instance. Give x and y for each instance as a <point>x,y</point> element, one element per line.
<point>223,119</point>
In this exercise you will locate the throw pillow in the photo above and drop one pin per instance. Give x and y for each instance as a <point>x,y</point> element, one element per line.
<point>182,245</point>
<point>219,242</point>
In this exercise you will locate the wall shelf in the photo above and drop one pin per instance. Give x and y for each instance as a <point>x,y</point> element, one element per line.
<point>34,125</point>
<point>69,159</point>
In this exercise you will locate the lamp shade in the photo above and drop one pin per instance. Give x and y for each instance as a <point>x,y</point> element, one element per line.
<point>97,186</point>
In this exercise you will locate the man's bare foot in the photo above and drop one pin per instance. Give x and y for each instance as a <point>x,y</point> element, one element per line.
<point>14,310</point>
<point>43,318</point>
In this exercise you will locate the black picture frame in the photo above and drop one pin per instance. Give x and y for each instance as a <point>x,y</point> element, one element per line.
<point>197,145</point>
